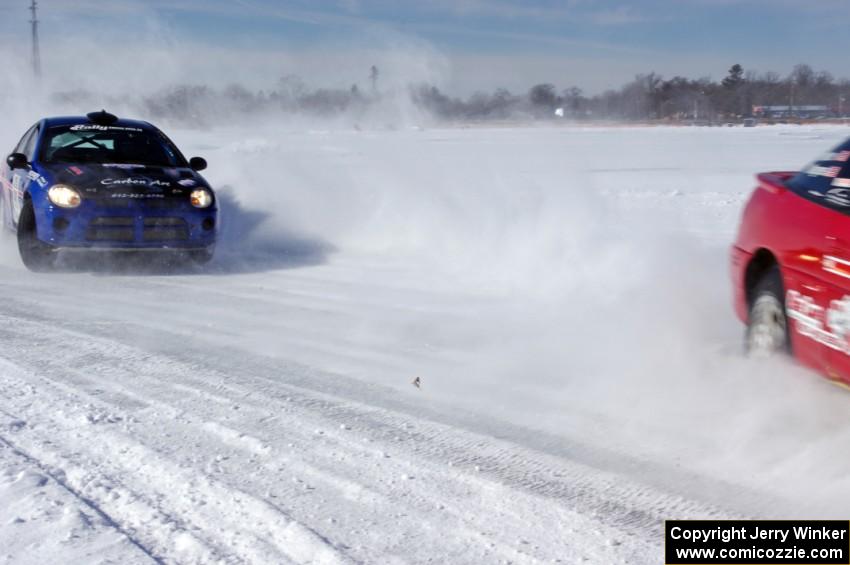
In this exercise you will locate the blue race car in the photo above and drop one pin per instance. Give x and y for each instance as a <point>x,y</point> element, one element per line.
<point>99,182</point>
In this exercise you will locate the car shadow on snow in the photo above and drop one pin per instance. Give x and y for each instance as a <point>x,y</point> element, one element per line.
<point>242,247</point>
<point>249,241</point>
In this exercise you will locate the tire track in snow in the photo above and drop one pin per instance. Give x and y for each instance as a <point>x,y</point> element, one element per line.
<point>248,374</point>
<point>165,504</point>
<point>84,501</point>
<point>631,508</point>
<point>508,551</point>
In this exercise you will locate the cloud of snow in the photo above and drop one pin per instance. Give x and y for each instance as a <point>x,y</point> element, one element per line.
<point>591,267</point>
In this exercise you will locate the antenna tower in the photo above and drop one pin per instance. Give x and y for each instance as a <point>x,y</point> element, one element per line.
<point>36,57</point>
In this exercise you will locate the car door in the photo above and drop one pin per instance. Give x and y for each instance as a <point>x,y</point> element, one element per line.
<point>796,232</point>
<point>16,181</point>
<point>827,183</point>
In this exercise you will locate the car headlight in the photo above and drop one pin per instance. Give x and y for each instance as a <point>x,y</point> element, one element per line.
<point>201,198</point>
<point>64,196</point>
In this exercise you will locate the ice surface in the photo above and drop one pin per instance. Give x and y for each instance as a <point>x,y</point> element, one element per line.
<point>562,295</point>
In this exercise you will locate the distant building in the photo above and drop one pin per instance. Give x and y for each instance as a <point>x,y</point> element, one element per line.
<point>776,112</point>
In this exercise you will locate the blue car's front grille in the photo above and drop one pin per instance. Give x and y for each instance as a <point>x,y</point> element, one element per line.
<point>95,234</point>
<point>123,229</point>
<point>164,229</point>
<point>112,221</point>
<point>111,229</point>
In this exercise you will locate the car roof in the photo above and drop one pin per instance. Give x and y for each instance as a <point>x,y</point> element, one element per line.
<point>75,120</point>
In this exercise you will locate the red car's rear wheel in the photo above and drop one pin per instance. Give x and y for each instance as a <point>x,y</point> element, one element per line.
<point>767,330</point>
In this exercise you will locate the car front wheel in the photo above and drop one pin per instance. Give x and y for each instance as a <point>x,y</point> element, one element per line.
<point>36,255</point>
<point>767,330</point>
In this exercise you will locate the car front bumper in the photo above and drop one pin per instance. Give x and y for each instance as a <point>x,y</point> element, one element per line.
<point>132,226</point>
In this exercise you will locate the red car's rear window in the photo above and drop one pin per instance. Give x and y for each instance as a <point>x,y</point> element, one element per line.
<point>826,180</point>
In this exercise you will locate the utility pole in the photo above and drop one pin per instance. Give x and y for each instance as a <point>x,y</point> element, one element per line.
<point>373,76</point>
<point>36,57</point>
<point>791,102</point>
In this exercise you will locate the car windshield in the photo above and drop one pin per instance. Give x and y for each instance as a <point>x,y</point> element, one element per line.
<point>90,143</point>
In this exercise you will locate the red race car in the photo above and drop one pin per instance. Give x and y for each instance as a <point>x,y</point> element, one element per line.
<point>791,265</point>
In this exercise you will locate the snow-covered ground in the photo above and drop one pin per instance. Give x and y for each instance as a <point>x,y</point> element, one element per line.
<point>561,294</point>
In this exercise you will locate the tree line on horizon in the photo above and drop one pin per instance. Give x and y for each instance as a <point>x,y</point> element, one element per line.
<point>651,97</point>
<point>646,97</point>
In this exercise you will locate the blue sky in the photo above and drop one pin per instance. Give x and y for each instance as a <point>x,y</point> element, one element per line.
<point>471,43</point>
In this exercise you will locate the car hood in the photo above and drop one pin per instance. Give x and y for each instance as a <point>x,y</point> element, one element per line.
<point>95,178</point>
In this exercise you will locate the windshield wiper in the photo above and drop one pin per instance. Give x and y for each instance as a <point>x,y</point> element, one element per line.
<point>82,140</point>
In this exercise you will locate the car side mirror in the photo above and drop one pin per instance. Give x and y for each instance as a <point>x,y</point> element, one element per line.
<point>17,161</point>
<point>198,163</point>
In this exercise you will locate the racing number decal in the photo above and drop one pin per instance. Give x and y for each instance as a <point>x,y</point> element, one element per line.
<point>829,326</point>
<point>836,266</point>
<point>16,197</point>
